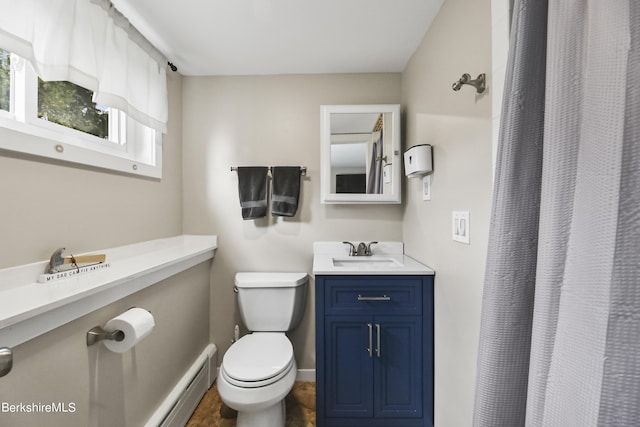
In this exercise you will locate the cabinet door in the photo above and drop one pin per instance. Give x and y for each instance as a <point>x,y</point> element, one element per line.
<point>398,366</point>
<point>349,370</point>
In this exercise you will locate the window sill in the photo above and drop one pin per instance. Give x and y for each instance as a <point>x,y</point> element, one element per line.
<point>42,142</point>
<point>29,309</point>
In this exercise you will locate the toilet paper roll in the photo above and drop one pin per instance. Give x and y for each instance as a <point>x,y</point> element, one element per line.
<point>136,324</point>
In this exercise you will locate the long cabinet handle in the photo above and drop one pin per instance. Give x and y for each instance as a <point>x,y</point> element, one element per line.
<point>378,339</point>
<point>370,349</point>
<point>384,297</point>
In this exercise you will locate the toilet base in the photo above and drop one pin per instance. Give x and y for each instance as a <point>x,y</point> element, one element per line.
<point>273,416</point>
<point>258,407</point>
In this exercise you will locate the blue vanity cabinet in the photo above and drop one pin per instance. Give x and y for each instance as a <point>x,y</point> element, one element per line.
<point>374,350</point>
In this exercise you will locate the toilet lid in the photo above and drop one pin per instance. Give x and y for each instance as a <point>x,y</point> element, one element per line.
<point>270,280</point>
<point>257,358</point>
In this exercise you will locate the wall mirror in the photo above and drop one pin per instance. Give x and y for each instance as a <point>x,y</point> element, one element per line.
<point>360,153</point>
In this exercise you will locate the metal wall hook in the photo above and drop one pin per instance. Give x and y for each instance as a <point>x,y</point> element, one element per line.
<point>98,334</point>
<point>479,83</point>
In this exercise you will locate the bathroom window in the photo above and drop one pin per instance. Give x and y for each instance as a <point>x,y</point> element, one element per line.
<point>70,105</point>
<point>65,114</point>
<point>5,80</point>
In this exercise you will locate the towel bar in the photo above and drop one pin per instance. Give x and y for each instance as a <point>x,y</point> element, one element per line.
<point>303,169</point>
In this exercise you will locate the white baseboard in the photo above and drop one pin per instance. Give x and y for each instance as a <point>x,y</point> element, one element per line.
<point>306,375</point>
<point>178,406</point>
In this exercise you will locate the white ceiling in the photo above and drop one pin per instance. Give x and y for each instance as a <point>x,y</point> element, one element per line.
<point>350,123</point>
<point>245,37</point>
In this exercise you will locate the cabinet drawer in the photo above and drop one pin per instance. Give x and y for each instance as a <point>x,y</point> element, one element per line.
<point>373,294</point>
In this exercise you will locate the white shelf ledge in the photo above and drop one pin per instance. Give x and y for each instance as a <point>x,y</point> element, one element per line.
<point>29,309</point>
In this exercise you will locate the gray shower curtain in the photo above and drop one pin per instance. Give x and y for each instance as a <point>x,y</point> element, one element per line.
<point>560,328</point>
<point>374,184</point>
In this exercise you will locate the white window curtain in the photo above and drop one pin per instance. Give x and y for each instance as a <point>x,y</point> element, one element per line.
<point>90,43</point>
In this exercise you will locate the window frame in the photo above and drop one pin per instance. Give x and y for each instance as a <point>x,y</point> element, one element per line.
<point>137,149</point>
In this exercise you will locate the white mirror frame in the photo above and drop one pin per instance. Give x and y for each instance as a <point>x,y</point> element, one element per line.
<point>325,155</point>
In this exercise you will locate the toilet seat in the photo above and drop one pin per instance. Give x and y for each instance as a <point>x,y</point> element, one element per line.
<point>258,359</point>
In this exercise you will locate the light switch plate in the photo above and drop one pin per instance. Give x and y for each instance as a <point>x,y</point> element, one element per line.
<point>426,187</point>
<point>386,173</point>
<point>460,226</point>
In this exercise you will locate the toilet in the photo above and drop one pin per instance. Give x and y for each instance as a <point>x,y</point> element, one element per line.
<point>259,369</point>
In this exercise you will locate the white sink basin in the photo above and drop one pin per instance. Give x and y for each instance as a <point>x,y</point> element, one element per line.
<point>388,259</point>
<point>365,262</point>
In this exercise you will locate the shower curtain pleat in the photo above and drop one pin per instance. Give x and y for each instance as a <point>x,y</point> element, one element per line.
<point>559,170</point>
<point>584,124</point>
<point>505,330</point>
<point>620,402</point>
<point>560,329</point>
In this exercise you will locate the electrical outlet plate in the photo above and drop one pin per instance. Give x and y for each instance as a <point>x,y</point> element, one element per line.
<point>460,226</point>
<point>426,187</point>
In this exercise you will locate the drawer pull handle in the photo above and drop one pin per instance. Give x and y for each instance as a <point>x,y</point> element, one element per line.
<point>382,298</point>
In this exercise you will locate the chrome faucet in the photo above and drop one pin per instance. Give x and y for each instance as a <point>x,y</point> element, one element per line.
<point>363,249</point>
<point>367,250</point>
<point>352,248</point>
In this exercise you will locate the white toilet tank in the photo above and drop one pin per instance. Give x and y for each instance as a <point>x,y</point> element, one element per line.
<point>271,302</point>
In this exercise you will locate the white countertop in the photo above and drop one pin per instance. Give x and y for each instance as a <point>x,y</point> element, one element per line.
<point>29,308</point>
<point>388,258</point>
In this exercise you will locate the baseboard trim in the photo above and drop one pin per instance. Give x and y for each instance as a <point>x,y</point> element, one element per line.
<point>180,403</point>
<point>306,375</point>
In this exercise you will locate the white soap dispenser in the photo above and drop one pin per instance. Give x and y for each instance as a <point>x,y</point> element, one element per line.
<point>418,161</point>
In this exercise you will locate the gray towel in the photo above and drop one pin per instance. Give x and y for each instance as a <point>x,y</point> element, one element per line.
<point>252,189</point>
<point>286,190</point>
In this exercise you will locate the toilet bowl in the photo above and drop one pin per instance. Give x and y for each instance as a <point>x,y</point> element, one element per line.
<point>259,370</point>
<point>256,375</point>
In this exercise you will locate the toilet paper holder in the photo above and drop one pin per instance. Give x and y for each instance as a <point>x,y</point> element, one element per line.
<point>98,334</point>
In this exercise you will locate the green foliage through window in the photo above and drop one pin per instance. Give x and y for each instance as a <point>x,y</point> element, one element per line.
<point>5,80</point>
<point>70,105</point>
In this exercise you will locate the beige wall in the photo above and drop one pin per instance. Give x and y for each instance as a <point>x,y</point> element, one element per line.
<point>46,204</point>
<point>458,125</point>
<point>110,389</point>
<point>270,120</point>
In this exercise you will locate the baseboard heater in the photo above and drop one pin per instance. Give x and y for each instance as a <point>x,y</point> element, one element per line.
<point>179,405</point>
